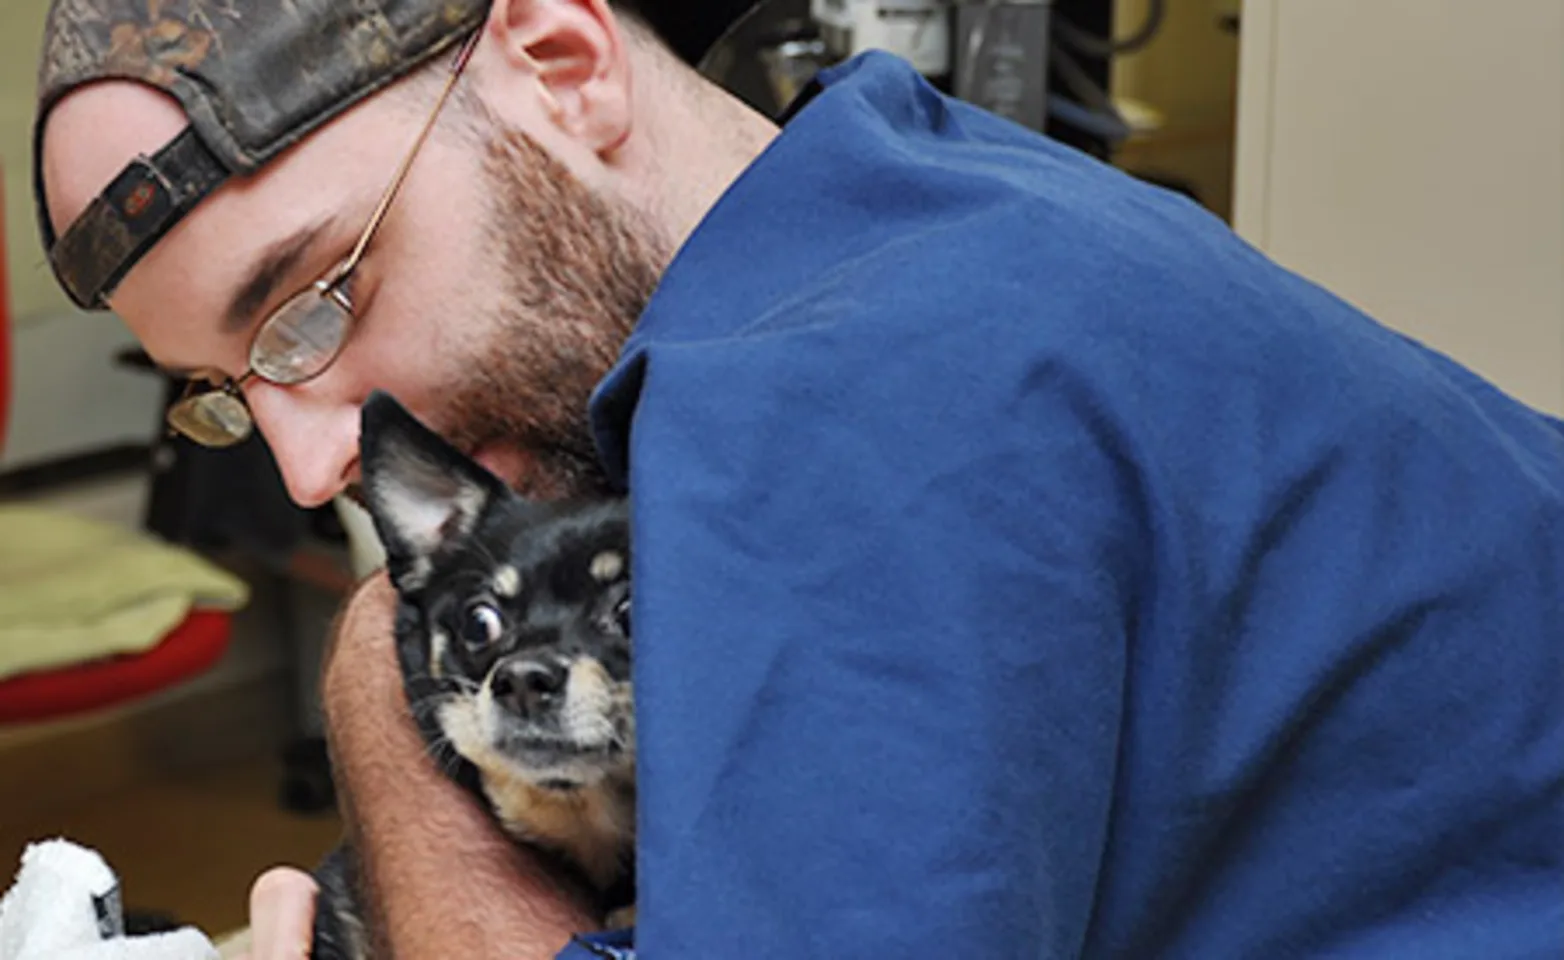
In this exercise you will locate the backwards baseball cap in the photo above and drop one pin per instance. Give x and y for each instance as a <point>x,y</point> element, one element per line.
<point>254,77</point>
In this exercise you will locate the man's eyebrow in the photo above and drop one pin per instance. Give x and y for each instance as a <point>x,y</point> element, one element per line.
<point>275,264</point>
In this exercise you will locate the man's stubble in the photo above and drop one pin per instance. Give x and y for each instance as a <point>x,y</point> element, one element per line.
<point>576,271</point>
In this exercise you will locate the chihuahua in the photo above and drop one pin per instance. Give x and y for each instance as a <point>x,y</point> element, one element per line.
<point>513,637</point>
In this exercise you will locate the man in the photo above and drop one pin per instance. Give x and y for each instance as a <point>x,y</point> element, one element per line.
<point>1025,567</point>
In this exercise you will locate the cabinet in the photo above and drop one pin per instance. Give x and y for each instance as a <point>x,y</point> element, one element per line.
<point>1408,155</point>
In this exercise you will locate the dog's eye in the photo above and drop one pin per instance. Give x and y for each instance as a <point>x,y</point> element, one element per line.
<point>622,615</point>
<point>483,625</point>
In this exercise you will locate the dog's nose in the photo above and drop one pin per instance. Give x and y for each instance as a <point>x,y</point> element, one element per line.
<point>527,687</point>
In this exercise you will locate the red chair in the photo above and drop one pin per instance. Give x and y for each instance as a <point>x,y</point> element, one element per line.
<point>188,650</point>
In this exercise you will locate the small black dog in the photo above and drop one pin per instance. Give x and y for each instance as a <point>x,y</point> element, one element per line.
<point>513,635</point>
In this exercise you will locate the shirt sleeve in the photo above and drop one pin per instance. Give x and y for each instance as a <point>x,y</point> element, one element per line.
<point>609,945</point>
<point>885,585</point>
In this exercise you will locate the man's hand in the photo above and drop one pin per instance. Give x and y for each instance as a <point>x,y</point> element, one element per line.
<point>440,878</point>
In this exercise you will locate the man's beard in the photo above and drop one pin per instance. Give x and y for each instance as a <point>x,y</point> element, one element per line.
<point>578,271</point>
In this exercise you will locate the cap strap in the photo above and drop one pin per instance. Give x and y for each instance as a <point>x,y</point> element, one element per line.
<point>132,213</point>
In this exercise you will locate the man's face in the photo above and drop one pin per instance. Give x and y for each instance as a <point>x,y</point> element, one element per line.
<point>493,297</point>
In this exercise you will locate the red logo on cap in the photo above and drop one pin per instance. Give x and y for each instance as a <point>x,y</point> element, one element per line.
<point>139,199</point>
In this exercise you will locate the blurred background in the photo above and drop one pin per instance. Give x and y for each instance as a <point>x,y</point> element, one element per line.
<point>1408,154</point>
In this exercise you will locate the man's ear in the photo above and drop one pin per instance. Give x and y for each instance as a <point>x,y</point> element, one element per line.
<point>423,494</point>
<point>576,52</point>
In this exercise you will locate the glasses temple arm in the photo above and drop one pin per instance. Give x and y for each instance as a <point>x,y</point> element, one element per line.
<point>407,161</point>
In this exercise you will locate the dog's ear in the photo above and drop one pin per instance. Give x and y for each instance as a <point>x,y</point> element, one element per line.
<point>423,494</point>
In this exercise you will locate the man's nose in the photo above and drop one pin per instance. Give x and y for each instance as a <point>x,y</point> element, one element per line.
<point>314,442</point>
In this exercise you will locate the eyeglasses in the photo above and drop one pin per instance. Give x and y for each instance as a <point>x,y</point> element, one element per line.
<point>303,337</point>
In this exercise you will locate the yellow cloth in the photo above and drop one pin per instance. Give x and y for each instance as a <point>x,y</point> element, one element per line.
<point>74,590</point>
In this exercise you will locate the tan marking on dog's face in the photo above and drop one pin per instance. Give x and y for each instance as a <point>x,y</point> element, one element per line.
<point>462,722</point>
<point>507,581</point>
<point>607,566</point>
<point>587,715</point>
<point>594,826</point>
<point>591,826</point>
<point>439,642</point>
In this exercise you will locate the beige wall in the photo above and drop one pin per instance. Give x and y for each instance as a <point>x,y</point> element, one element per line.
<point>1189,75</point>
<point>32,287</point>
<point>1409,156</point>
<point>68,396</point>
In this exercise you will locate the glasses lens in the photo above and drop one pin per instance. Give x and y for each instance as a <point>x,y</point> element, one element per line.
<point>212,419</point>
<point>301,339</point>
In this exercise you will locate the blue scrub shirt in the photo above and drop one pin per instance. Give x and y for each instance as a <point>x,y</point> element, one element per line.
<point>1027,568</point>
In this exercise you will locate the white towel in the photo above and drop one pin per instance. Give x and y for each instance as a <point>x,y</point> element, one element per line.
<point>65,905</point>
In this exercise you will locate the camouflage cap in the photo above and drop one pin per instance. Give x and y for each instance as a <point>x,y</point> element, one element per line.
<point>254,77</point>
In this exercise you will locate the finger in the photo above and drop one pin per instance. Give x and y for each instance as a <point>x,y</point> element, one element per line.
<point>282,914</point>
